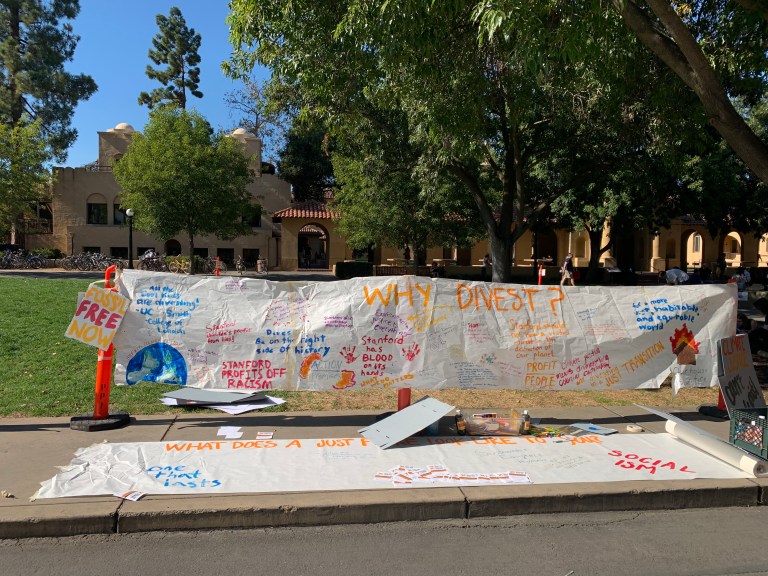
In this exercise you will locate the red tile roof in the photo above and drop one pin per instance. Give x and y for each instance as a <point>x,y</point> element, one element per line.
<point>306,209</point>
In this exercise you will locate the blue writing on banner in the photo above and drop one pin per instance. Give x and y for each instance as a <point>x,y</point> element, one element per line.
<point>654,315</point>
<point>181,476</point>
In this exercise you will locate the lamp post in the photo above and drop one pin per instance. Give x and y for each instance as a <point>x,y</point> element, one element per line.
<point>129,215</point>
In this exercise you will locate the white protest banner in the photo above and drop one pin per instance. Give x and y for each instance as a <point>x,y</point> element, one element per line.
<point>97,317</point>
<point>218,466</point>
<point>250,334</point>
<point>738,379</point>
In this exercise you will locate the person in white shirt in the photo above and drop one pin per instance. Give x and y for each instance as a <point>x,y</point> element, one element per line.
<point>675,276</point>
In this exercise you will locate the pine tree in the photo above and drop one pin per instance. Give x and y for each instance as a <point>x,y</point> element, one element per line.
<point>175,46</point>
<point>35,43</point>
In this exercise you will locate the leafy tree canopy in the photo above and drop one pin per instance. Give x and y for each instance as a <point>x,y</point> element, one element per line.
<point>22,170</point>
<point>179,176</point>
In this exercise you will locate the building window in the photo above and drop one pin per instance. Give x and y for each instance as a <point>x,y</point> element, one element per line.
<point>92,249</point>
<point>697,242</point>
<point>97,213</point>
<point>119,252</point>
<point>118,215</point>
<point>202,252</point>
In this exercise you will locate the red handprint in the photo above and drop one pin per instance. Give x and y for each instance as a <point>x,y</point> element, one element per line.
<point>348,354</point>
<point>412,352</point>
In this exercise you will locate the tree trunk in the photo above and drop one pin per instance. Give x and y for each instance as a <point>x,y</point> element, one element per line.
<point>595,251</point>
<point>501,257</point>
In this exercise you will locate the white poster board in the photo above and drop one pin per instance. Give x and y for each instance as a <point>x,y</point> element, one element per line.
<point>405,331</point>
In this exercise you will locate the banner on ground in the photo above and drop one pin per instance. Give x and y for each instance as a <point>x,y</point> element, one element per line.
<point>308,465</point>
<point>415,332</point>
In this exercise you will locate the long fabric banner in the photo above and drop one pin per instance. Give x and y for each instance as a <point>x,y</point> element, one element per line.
<point>215,467</point>
<point>406,331</point>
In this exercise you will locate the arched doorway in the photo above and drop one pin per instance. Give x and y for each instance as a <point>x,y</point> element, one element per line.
<point>692,252</point>
<point>732,247</point>
<point>313,247</point>
<point>173,248</point>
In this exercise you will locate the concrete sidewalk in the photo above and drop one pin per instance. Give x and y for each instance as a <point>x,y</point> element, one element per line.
<point>32,448</point>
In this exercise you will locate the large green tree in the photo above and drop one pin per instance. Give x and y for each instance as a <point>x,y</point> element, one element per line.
<point>23,175</point>
<point>179,176</point>
<point>175,48</point>
<point>36,42</point>
<point>479,111</point>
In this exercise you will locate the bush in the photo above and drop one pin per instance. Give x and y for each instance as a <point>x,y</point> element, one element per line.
<point>345,270</point>
<point>49,253</point>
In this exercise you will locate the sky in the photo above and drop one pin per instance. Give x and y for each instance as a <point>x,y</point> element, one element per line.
<point>115,37</point>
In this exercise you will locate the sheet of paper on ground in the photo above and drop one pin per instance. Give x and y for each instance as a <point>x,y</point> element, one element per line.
<point>217,466</point>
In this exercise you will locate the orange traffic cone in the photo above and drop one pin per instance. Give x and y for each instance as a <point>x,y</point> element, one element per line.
<point>101,418</point>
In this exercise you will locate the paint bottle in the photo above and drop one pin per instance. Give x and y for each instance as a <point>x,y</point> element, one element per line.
<point>526,422</point>
<point>461,425</point>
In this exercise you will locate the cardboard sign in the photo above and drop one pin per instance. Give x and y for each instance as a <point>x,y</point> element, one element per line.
<point>738,380</point>
<point>97,317</point>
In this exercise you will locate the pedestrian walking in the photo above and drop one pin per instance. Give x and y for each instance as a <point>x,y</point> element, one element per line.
<point>566,270</point>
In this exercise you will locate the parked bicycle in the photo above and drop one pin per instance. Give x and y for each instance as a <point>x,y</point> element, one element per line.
<point>152,261</point>
<point>178,264</point>
<point>18,259</point>
<point>87,261</point>
<point>209,264</point>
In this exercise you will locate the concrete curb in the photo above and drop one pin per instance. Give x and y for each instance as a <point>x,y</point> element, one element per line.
<point>362,507</point>
<point>56,521</point>
<point>306,509</point>
<point>611,496</point>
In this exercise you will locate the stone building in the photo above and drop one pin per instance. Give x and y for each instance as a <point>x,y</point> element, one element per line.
<point>84,214</point>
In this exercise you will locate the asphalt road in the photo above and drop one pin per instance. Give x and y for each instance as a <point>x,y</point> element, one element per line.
<point>683,542</point>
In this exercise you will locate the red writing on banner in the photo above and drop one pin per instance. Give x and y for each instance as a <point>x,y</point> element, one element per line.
<point>650,464</point>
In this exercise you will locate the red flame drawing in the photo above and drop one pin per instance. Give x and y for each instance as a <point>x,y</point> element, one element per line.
<point>684,346</point>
